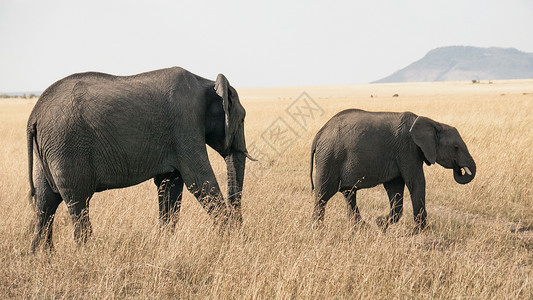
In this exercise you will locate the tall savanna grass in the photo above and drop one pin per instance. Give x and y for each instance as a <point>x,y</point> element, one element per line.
<point>478,245</point>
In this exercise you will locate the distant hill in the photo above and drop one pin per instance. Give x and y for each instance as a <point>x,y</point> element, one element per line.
<point>456,63</point>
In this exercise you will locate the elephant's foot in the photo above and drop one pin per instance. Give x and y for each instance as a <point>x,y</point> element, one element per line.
<point>235,219</point>
<point>421,224</point>
<point>419,229</point>
<point>169,227</point>
<point>383,222</point>
<point>40,243</point>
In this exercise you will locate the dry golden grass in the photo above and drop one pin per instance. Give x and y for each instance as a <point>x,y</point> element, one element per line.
<point>469,251</point>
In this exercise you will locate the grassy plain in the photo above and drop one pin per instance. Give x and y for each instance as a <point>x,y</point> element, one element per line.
<point>479,244</point>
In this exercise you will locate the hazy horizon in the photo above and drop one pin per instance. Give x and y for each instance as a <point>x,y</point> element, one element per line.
<point>254,45</point>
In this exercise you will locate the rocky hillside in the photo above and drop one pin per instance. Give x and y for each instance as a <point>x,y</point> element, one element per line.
<point>457,63</point>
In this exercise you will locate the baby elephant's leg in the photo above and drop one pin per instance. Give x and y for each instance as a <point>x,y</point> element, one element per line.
<point>354,217</point>
<point>395,189</point>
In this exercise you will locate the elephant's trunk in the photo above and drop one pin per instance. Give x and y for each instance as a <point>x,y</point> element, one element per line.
<point>235,163</point>
<point>464,173</point>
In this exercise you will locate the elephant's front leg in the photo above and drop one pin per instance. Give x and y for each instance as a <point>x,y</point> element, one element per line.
<point>208,194</point>
<point>235,163</point>
<point>417,188</point>
<point>169,193</point>
<point>200,180</point>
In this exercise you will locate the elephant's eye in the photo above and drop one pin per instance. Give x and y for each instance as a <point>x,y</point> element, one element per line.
<point>456,147</point>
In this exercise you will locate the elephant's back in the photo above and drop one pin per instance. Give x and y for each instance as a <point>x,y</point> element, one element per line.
<point>96,86</point>
<point>356,122</point>
<point>359,116</point>
<point>81,95</point>
<point>356,134</point>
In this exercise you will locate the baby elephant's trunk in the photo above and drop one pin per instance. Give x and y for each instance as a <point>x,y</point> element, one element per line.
<point>465,172</point>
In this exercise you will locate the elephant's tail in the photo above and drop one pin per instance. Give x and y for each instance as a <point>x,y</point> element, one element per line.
<point>30,138</point>
<point>313,148</point>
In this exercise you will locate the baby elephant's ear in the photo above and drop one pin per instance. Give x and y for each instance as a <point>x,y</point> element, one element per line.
<point>424,134</point>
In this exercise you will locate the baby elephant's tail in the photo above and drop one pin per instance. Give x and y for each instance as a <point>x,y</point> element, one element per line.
<point>313,149</point>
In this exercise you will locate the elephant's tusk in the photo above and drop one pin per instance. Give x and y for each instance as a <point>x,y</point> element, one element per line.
<point>467,171</point>
<point>249,157</point>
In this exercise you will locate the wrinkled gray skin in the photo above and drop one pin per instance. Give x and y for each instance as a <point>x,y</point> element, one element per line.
<point>92,132</point>
<point>357,149</point>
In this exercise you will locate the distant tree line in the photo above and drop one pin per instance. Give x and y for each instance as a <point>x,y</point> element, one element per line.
<point>23,96</point>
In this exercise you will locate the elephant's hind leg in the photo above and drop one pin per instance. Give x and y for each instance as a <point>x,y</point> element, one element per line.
<point>75,180</point>
<point>78,207</point>
<point>325,188</point>
<point>76,192</point>
<point>354,217</point>
<point>169,193</point>
<point>46,203</point>
<point>395,189</point>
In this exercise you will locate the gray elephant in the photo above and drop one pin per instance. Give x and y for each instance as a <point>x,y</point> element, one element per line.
<point>92,132</point>
<point>357,149</point>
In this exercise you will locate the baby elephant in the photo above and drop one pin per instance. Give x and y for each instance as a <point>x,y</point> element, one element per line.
<point>358,149</point>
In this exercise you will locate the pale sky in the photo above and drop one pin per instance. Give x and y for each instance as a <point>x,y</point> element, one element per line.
<point>272,43</point>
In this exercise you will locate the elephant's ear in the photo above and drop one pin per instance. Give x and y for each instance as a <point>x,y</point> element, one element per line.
<point>222,89</point>
<point>424,134</point>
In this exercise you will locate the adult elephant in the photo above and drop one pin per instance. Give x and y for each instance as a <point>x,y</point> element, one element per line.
<point>357,149</point>
<point>93,131</point>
